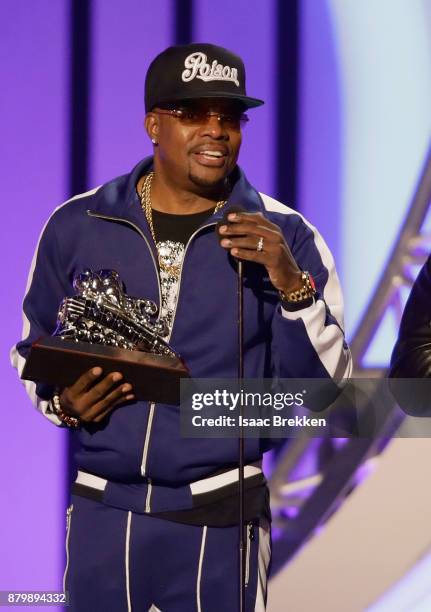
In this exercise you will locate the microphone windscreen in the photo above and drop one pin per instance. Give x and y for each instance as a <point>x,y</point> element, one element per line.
<point>225,221</point>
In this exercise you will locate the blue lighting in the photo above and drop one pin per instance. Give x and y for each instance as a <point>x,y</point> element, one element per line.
<point>384,74</point>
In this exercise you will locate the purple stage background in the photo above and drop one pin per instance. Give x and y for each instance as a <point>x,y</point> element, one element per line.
<point>34,55</point>
<point>35,98</point>
<point>125,40</point>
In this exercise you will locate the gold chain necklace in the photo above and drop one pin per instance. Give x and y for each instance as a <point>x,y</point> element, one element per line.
<point>173,270</point>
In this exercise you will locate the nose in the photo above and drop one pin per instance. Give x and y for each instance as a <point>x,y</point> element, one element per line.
<point>214,127</point>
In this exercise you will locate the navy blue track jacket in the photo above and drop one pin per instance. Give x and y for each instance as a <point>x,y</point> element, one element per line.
<point>140,445</point>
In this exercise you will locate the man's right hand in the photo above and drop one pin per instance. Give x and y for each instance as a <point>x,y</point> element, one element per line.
<point>90,400</point>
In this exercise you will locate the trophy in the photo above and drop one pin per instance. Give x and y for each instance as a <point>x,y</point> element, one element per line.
<point>103,326</point>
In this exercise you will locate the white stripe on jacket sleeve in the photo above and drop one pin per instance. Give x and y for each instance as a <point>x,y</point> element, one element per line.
<point>327,340</point>
<point>17,360</point>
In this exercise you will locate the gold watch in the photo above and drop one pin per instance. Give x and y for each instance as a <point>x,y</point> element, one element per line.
<point>307,291</point>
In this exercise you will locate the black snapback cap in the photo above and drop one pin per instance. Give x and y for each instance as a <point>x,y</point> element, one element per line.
<point>198,70</point>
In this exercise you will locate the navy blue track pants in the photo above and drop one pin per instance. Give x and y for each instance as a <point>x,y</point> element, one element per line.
<point>119,561</point>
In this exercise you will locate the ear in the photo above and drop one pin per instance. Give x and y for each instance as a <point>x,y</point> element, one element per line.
<point>152,126</point>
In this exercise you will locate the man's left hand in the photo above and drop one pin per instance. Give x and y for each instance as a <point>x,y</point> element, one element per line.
<point>243,236</point>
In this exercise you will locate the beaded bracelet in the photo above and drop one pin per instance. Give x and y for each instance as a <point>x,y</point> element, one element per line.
<point>65,418</point>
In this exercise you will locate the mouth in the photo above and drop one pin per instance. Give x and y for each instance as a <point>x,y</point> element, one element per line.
<point>209,156</point>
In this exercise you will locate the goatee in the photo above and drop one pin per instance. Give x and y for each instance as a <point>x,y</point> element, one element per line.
<point>218,188</point>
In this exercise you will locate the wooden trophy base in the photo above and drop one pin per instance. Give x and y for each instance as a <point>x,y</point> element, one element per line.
<point>59,362</point>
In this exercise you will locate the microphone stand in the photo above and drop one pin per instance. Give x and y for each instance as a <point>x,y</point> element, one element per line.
<point>242,536</point>
<point>241,522</point>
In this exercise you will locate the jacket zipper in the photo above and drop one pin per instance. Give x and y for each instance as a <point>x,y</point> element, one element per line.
<point>250,538</point>
<point>145,455</point>
<point>151,415</point>
<point>141,233</point>
<point>181,271</point>
<point>147,439</point>
<point>152,404</point>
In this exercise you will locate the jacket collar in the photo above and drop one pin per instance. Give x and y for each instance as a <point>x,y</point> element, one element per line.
<point>242,194</point>
<point>118,198</point>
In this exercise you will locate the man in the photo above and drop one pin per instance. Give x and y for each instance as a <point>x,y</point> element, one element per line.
<point>153,520</point>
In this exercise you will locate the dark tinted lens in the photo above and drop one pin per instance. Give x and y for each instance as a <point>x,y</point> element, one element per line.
<point>199,116</point>
<point>234,121</point>
<point>192,115</point>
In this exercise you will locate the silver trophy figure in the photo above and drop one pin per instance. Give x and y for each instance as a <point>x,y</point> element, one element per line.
<point>102,313</point>
<point>102,325</point>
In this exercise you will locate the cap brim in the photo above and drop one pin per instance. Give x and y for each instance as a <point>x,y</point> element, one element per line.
<point>245,100</point>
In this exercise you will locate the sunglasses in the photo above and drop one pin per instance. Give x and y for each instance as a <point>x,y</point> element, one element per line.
<point>200,116</point>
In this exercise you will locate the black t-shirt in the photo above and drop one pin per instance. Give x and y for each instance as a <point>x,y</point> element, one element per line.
<point>178,228</point>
